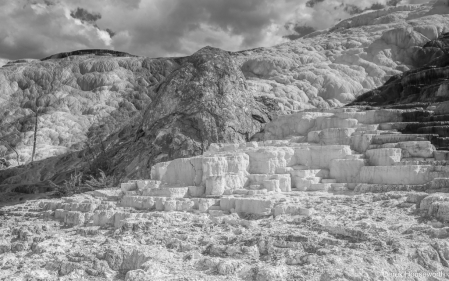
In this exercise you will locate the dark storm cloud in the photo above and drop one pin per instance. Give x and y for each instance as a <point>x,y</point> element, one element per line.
<point>84,15</point>
<point>111,33</point>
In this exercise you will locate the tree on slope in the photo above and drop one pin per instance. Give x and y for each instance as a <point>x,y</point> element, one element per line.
<point>10,136</point>
<point>39,98</point>
<point>11,141</point>
<point>37,105</point>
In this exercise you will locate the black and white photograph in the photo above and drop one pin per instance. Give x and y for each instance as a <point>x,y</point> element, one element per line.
<point>224,140</point>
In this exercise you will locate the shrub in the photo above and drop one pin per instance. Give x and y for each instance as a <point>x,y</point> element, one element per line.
<point>76,184</point>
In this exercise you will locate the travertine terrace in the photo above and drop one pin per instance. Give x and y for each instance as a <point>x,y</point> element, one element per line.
<point>236,165</point>
<point>321,195</point>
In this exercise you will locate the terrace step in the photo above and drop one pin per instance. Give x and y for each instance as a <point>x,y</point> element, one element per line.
<point>441,155</point>
<point>328,181</point>
<point>441,130</point>
<point>442,117</point>
<point>395,138</point>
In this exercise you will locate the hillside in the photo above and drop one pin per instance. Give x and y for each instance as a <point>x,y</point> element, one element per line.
<point>90,98</point>
<point>426,84</point>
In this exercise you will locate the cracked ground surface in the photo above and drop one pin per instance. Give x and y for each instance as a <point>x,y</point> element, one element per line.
<point>344,237</point>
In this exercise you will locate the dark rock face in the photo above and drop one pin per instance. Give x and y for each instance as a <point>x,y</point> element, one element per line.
<point>441,42</point>
<point>427,83</point>
<point>98,52</point>
<point>205,101</point>
<point>421,88</point>
<point>202,102</point>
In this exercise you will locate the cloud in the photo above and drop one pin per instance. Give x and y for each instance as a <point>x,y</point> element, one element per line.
<point>322,14</point>
<point>37,29</point>
<point>156,28</point>
<point>84,15</point>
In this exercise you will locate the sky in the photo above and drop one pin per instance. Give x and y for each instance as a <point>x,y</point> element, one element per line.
<point>160,28</point>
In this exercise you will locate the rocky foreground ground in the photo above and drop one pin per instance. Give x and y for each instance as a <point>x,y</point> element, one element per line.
<point>340,194</point>
<point>338,237</point>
